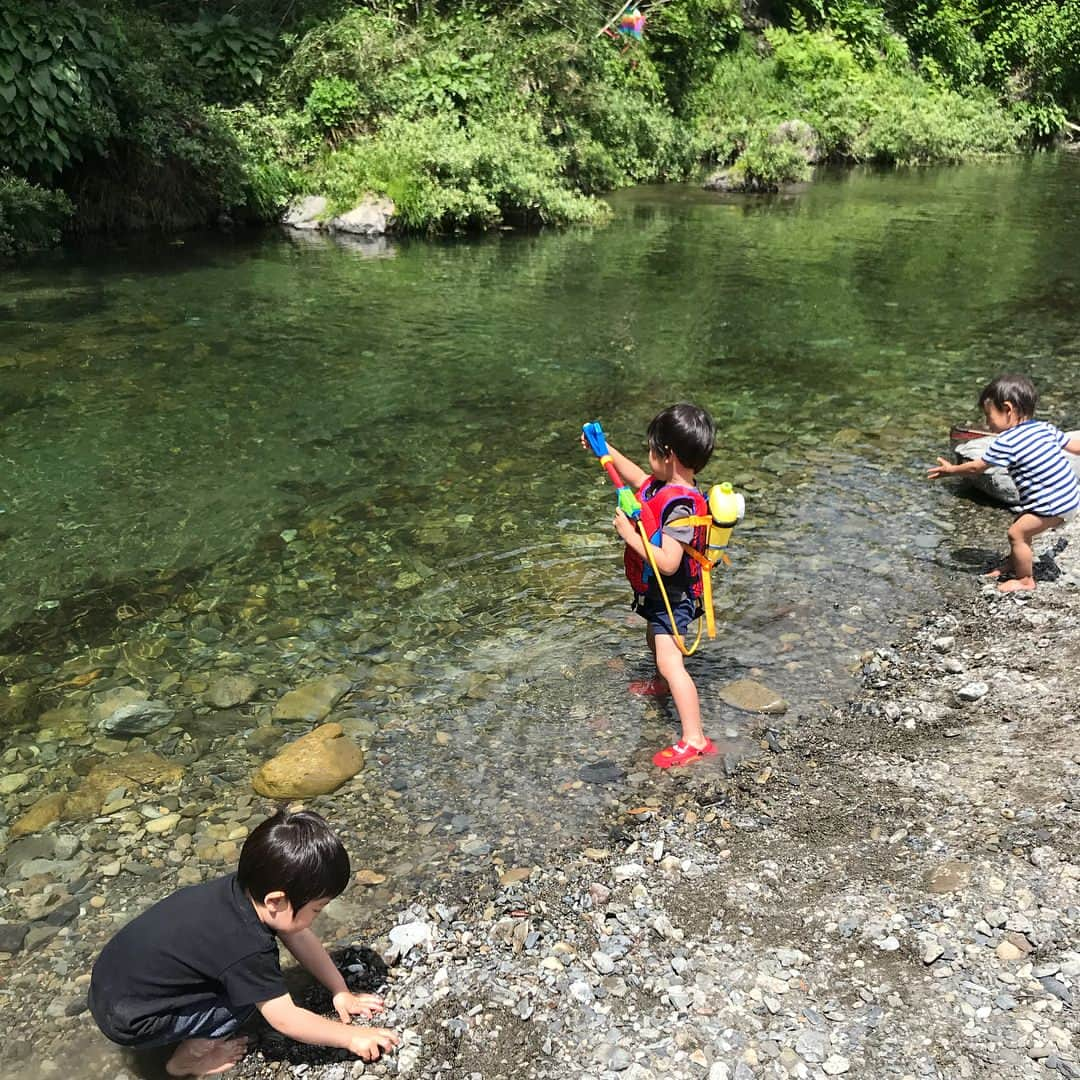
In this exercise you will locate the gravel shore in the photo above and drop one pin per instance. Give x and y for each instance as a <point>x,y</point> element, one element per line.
<point>888,889</point>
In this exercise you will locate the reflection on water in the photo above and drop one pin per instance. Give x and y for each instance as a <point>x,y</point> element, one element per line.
<point>289,459</point>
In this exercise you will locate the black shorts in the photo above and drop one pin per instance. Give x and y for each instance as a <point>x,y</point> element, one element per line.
<point>684,607</point>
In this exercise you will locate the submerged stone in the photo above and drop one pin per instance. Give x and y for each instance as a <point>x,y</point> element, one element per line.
<point>313,700</point>
<point>751,696</point>
<point>135,770</point>
<point>41,815</point>
<point>230,691</point>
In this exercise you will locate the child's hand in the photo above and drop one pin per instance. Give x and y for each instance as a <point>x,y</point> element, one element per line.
<point>623,525</point>
<point>349,1005</point>
<point>942,468</point>
<point>369,1043</point>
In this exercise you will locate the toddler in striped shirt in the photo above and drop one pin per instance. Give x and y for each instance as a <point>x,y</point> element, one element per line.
<point>1033,452</point>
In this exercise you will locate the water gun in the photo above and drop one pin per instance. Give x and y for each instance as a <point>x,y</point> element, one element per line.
<point>627,500</point>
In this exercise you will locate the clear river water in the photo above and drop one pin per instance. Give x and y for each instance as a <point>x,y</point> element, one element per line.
<point>283,456</point>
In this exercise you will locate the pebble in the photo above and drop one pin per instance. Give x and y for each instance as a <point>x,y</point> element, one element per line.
<point>973,691</point>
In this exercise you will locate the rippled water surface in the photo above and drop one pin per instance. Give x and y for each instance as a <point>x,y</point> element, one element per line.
<point>286,457</point>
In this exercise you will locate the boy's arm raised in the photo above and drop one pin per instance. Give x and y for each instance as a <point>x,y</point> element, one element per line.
<point>284,1015</point>
<point>632,474</point>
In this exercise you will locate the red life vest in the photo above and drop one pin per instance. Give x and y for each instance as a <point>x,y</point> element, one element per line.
<point>638,571</point>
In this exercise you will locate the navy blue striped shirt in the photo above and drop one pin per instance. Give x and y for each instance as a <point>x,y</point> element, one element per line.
<point>1032,453</point>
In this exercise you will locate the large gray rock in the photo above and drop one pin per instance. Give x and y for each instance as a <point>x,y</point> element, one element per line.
<point>138,718</point>
<point>996,483</point>
<point>800,135</point>
<point>306,213</point>
<point>126,711</point>
<point>373,217</point>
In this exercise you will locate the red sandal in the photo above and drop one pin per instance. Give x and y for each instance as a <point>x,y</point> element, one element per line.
<point>650,687</point>
<point>682,754</point>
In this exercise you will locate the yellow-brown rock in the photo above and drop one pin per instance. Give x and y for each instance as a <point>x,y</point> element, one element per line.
<point>317,763</point>
<point>41,815</point>
<point>132,771</point>
<point>751,696</point>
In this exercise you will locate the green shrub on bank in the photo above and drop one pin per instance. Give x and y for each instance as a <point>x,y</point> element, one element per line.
<point>30,216</point>
<point>442,177</point>
<point>884,113</point>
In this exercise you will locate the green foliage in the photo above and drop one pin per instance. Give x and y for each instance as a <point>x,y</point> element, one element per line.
<point>360,48</point>
<point>942,34</point>
<point>767,164</point>
<point>862,26</point>
<point>56,62</point>
<point>858,114</point>
<point>1033,56</point>
<point>231,57</point>
<point>332,103</point>
<point>442,176</point>
<point>480,114</point>
<point>30,216</point>
<point>687,38</point>
<point>270,150</point>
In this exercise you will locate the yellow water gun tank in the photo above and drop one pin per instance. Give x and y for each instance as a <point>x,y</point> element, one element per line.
<point>727,508</point>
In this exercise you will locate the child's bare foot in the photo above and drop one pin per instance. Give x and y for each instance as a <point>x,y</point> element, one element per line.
<point>656,687</point>
<point>206,1057</point>
<point>1022,584</point>
<point>995,573</point>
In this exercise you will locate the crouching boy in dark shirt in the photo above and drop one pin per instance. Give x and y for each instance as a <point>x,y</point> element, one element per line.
<point>192,968</point>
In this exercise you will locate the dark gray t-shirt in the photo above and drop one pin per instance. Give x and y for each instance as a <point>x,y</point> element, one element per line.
<point>188,952</point>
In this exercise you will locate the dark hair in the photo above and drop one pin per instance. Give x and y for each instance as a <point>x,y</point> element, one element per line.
<point>297,854</point>
<point>685,431</point>
<point>1018,389</point>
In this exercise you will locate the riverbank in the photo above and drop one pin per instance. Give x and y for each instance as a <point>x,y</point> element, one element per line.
<point>887,889</point>
<point>128,118</point>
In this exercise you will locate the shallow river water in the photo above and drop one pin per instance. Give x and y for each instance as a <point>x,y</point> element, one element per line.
<point>286,457</point>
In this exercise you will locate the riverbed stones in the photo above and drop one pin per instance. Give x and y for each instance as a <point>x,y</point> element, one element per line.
<point>134,771</point>
<point>948,877</point>
<point>12,782</point>
<point>228,691</point>
<point>41,815</point>
<point>315,764</point>
<point>314,700</point>
<point>751,696</point>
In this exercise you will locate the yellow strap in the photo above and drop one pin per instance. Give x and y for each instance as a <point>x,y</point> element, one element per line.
<point>679,523</point>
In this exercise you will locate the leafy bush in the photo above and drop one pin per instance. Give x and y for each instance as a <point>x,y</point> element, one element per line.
<point>30,216</point>
<point>270,152</point>
<point>768,164</point>
<point>442,176</point>
<point>56,62</point>
<point>858,114</point>
<point>360,48</point>
<point>230,57</point>
<point>332,102</point>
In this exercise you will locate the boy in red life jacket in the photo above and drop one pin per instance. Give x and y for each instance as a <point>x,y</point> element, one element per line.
<point>681,442</point>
